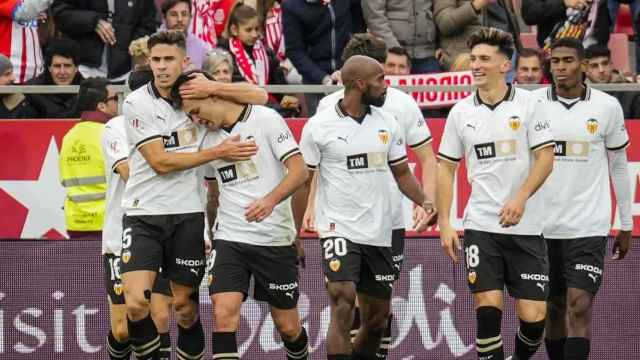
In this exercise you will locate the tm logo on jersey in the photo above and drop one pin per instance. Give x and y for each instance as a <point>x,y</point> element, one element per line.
<point>183,137</point>
<point>495,149</point>
<point>571,148</point>
<point>372,160</point>
<point>242,170</point>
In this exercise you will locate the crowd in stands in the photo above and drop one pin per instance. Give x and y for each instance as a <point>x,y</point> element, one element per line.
<point>63,42</point>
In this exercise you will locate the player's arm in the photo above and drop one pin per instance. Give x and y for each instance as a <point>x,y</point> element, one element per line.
<point>308,220</point>
<point>213,194</point>
<point>296,176</point>
<point>428,163</point>
<point>199,87</point>
<point>408,183</point>
<point>513,210</point>
<point>163,162</point>
<point>122,169</point>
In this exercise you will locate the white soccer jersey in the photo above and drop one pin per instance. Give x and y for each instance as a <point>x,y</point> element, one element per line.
<point>243,182</point>
<point>577,193</point>
<point>116,151</point>
<point>412,125</point>
<point>353,158</point>
<point>150,117</point>
<point>497,143</point>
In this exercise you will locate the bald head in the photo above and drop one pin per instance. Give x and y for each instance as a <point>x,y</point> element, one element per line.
<point>359,67</point>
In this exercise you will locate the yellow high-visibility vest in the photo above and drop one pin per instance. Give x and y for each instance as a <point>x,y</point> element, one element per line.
<point>83,175</point>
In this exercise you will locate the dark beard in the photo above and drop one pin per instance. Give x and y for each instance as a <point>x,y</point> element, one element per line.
<point>367,99</point>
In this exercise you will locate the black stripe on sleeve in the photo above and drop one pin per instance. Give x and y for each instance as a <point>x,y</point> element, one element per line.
<point>398,161</point>
<point>312,167</point>
<point>448,158</point>
<point>423,142</point>
<point>615,148</point>
<point>147,140</point>
<point>117,162</point>
<point>210,178</point>
<point>289,153</point>
<point>542,145</point>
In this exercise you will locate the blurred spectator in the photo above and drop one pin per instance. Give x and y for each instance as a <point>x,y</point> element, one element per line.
<point>139,52</point>
<point>457,19</point>
<point>104,30</point>
<point>62,69</point>
<point>315,33</point>
<point>177,16</point>
<point>461,63</point>
<point>555,18</point>
<point>19,36</point>
<point>397,62</point>
<point>600,71</point>
<point>634,7</point>
<point>84,180</point>
<point>210,18</point>
<point>529,67</point>
<point>12,106</point>
<point>219,64</point>
<point>408,24</point>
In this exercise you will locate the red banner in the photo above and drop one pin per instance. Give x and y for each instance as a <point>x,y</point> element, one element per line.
<point>31,197</point>
<point>434,99</point>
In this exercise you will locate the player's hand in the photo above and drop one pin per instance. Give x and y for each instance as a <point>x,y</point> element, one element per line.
<point>207,242</point>
<point>621,245</point>
<point>259,209</point>
<point>512,211</point>
<point>423,218</point>
<point>199,87</point>
<point>105,32</point>
<point>233,149</point>
<point>300,252</point>
<point>308,220</point>
<point>450,242</point>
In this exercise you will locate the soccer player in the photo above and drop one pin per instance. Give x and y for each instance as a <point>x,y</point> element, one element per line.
<point>416,133</point>
<point>591,139</point>
<point>353,146</point>
<point>164,221</point>
<point>506,142</point>
<point>254,227</point>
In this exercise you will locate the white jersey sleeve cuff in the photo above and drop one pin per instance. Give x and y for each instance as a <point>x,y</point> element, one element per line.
<point>448,158</point>
<point>421,143</point>
<point>543,145</point>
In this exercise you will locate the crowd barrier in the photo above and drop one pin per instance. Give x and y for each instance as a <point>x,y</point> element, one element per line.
<point>53,306</point>
<point>31,196</point>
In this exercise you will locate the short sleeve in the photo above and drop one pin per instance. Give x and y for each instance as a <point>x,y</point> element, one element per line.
<point>398,148</point>
<point>417,131</point>
<point>451,146</point>
<point>114,147</point>
<point>539,132</point>
<point>280,138</point>
<point>616,137</point>
<point>139,123</point>
<point>309,147</point>
<point>209,172</point>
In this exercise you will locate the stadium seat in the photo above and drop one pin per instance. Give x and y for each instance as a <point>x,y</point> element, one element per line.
<point>624,24</point>
<point>619,46</point>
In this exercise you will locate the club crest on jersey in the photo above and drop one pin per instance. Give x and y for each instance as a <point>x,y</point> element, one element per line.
<point>117,288</point>
<point>126,256</point>
<point>472,277</point>
<point>383,135</point>
<point>514,123</point>
<point>592,126</point>
<point>334,265</point>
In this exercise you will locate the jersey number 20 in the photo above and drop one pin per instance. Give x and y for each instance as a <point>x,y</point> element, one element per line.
<point>334,245</point>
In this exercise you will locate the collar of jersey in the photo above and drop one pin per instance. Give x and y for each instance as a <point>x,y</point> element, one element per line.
<point>340,111</point>
<point>156,94</point>
<point>511,93</point>
<point>553,95</point>
<point>244,115</point>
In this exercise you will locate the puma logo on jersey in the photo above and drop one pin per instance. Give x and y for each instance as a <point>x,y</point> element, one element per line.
<point>541,286</point>
<point>343,139</point>
<point>289,294</point>
<point>194,271</point>
<point>471,126</point>
<point>593,277</point>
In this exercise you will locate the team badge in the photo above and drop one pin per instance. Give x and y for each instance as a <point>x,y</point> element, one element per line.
<point>383,135</point>
<point>117,288</point>
<point>514,123</point>
<point>334,265</point>
<point>592,126</point>
<point>472,277</point>
<point>126,256</point>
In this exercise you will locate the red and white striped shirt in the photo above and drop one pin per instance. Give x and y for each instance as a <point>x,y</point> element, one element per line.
<point>273,31</point>
<point>209,18</point>
<point>19,42</point>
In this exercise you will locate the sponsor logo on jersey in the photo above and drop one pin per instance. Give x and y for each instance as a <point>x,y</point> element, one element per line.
<point>589,268</point>
<point>514,123</point>
<point>383,135</point>
<point>571,148</point>
<point>284,136</point>
<point>117,288</point>
<point>182,137</point>
<point>370,160</point>
<point>189,262</point>
<point>592,126</point>
<point>334,265</point>
<point>126,256</point>
<point>240,170</point>
<point>389,277</point>
<point>541,125</point>
<point>495,149</point>
<point>534,277</point>
<point>472,277</point>
<point>283,287</point>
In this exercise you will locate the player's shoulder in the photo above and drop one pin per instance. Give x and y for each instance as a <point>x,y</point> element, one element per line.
<point>330,100</point>
<point>399,95</point>
<point>261,113</point>
<point>139,95</point>
<point>463,106</point>
<point>601,98</point>
<point>542,92</point>
<point>325,115</point>
<point>115,122</point>
<point>384,114</point>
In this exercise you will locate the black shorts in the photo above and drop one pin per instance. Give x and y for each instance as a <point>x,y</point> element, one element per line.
<point>174,243</point>
<point>397,250</point>
<point>274,270</point>
<point>369,267</point>
<point>517,261</point>
<point>113,280</point>
<point>576,263</point>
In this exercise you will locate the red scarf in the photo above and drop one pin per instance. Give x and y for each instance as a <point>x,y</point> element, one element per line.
<point>256,70</point>
<point>275,36</point>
